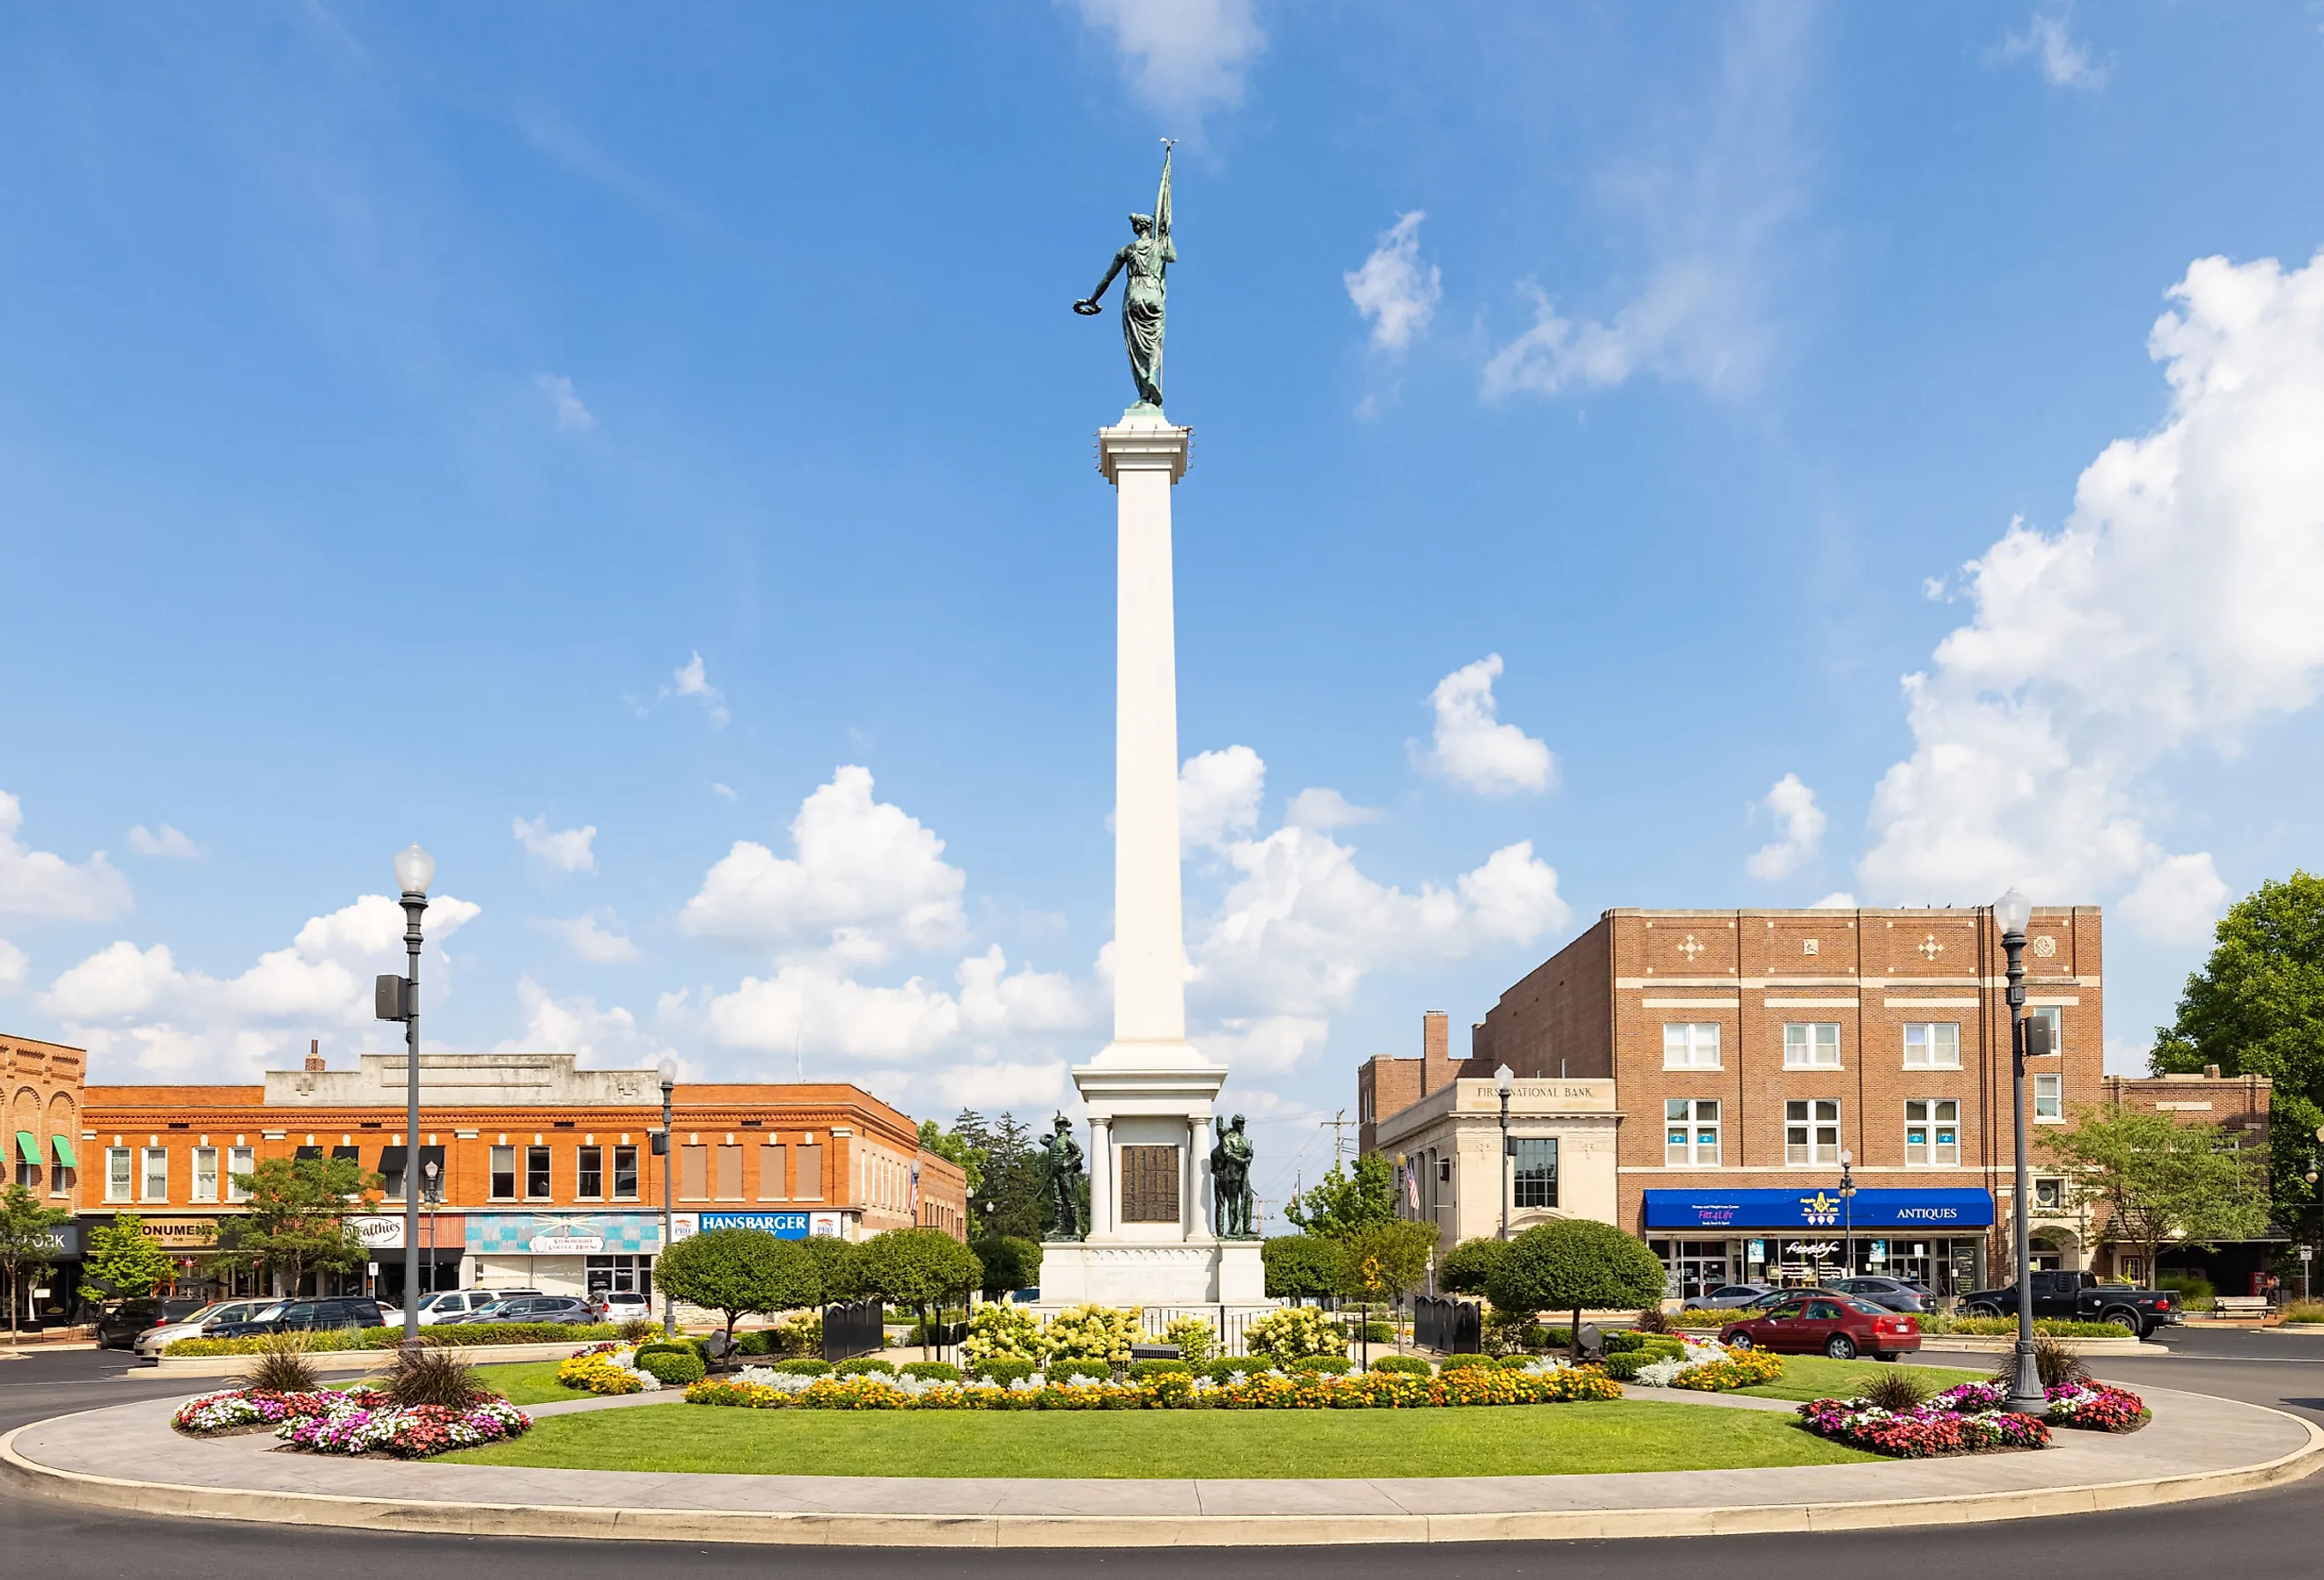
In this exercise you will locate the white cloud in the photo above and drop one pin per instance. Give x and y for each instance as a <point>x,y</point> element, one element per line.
<point>566,849</point>
<point>1392,290</point>
<point>1218,796</point>
<point>1706,208</point>
<point>1838,900</point>
<point>867,877</point>
<point>13,967</point>
<point>691,679</point>
<point>572,416</point>
<point>602,1038</point>
<point>1030,1003</point>
<point>809,1004</point>
<point>2176,605</point>
<point>2064,63</point>
<point>1799,825</point>
<point>39,882</point>
<point>1472,748</point>
<point>1266,1045</point>
<point>169,842</point>
<point>139,1007</point>
<point>587,940</point>
<point>1184,56</point>
<point>1006,1085</point>
<point>1327,808</point>
<point>724,791</point>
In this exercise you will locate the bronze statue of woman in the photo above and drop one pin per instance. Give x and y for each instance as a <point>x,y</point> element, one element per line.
<point>1147,258</point>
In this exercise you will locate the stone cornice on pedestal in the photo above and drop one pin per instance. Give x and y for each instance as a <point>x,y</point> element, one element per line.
<point>1188,1089</point>
<point>1143,442</point>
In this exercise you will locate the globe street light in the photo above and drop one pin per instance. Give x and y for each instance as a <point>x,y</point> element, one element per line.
<point>668,1069</point>
<point>1501,1082</point>
<point>2011,912</point>
<point>397,998</point>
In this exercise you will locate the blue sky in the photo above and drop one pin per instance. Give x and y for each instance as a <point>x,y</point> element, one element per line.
<point>593,443</point>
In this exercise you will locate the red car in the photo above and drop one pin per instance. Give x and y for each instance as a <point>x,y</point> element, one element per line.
<point>1839,1325</point>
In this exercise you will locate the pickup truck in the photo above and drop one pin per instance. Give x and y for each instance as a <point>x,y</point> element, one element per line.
<point>2082,1298</point>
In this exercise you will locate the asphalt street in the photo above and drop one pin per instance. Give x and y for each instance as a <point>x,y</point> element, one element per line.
<point>2273,1532</point>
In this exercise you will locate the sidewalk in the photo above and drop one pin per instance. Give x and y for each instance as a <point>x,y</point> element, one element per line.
<point>2196,1447</point>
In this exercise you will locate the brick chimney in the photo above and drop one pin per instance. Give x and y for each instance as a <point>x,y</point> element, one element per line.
<point>1437,1069</point>
<point>314,1054</point>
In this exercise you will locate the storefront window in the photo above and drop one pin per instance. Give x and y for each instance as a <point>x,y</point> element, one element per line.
<point>1811,1132</point>
<point>1933,1046</point>
<point>1812,1046</point>
<point>536,1172</point>
<point>1690,1138</point>
<point>206,1174</point>
<point>504,1174</point>
<point>1534,1161</point>
<point>1933,1131</point>
<point>116,1173</point>
<point>626,1174</point>
<point>589,1174</point>
<point>621,1275</point>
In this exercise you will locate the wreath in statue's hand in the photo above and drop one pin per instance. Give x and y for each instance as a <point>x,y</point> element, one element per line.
<point>1087,309</point>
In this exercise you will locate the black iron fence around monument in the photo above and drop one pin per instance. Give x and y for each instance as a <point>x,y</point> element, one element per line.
<point>853,1328</point>
<point>1454,1327</point>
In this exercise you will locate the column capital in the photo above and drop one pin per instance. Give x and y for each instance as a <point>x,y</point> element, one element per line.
<point>1143,444</point>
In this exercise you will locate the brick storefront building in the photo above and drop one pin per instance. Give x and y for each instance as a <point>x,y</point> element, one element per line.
<point>547,1175</point>
<point>41,1097</point>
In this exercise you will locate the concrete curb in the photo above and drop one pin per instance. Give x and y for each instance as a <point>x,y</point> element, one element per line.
<point>1978,1343</point>
<point>1084,1531</point>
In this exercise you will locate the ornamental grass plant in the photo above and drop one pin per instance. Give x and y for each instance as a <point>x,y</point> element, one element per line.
<point>281,1365</point>
<point>439,1377</point>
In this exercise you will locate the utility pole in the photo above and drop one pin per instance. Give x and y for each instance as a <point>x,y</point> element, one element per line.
<point>1337,1124</point>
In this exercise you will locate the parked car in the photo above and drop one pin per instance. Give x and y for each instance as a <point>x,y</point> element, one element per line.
<point>1894,1293</point>
<point>1821,1323</point>
<point>2081,1295</point>
<point>307,1313</point>
<point>454,1306</point>
<point>539,1308</point>
<point>117,1326</point>
<point>1778,1297</point>
<point>196,1324</point>
<point>619,1305</point>
<point>1728,1295</point>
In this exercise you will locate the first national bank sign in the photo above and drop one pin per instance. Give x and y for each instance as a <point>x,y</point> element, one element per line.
<point>1819,1209</point>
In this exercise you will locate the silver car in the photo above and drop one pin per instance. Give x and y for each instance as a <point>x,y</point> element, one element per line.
<point>154,1340</point>
<point>1894,1294</point>
<point>1730,1295</point>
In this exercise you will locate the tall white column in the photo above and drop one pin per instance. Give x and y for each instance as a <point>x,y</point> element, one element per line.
<point>1144,461</point>
<point>1101,1176</point>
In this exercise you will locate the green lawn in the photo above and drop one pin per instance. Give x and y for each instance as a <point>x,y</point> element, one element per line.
<point>1814,1377</point>
<point>1555,1439</point>
<point>528,1382</point>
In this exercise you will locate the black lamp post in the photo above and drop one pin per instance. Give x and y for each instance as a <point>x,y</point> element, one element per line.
<point>397,998</point>
<point>2026,1396</point>
<point>434,1187</point>
<point>668,1150</point>
<point>1502,1077</point>
<point>1848,1212</point>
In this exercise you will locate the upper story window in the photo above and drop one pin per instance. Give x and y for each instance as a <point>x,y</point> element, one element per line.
<point>807,1174</point>
<point>589,1173</point>
<point>1691,1133</point>
<point>1811,1133</point>
<point>240,1163</point>
<point>536,1173</point>
<point>117,1170</point>
<point>2049,1195</point>
<point>1812,1045</point>
<point>1534,1160</point>
<point>504,1174</point>
<point>774,1183</point>
<point>205,1180</point>
<point>1933,1131</point>
<point>157,1175</point>
<point>1691,1045</point>
<point>2050,1098</point>
<point>1932,1046</point>
<point>626,1174</point>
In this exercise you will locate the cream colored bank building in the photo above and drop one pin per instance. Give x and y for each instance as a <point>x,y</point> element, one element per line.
<point>1558,1161</point>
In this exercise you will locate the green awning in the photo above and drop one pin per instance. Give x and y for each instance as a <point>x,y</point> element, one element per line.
<point>64,1151</point>
<point>28,1149</point>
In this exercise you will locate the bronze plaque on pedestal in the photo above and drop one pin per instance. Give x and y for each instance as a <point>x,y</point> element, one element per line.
<point>1149,1184</point>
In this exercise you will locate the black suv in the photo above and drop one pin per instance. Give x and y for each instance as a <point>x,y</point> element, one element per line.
<point>308,1315</point>
<point>118,1326</point>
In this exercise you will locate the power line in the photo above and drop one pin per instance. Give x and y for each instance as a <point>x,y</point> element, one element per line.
<point>1338,1124</point>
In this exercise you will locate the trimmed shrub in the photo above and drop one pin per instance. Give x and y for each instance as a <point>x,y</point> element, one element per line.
<point>759,1342</point>
<point>1291,1333</point>
<point>676,1368</point>
<point>932,1370</point>
<point>998,1330</point>
<point>1196,1339</point>
<point>1080,1371</point>
<point>1469,1265</point>
<point>1002,1369</point>
<point>1624,1366</point>
<point>861,1364</point>
<point>1143,1369</point>
<point>1329,1365</point>
<point>1378,1333</point>
<point>1223,1370</point>
<point>1410,1365</point>
<point>803,1366</point>
<point>1461,1363</point>
<point>1576,1264</point>
<point>1093,1333</point>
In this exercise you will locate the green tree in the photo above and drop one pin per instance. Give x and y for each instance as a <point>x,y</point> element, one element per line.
<point>124,1259</point>
<point>1010,1264</point>
<point>921,1268</point>
<point>28,1246</point>
<point>733,1271</point>
<point>2160,1181</point>
<point>295,1219</point>
<point>1382,1261</point>
<point>1574,1265</point>
<point>1010,1201</point>
<point>954,1146</point>
<point>834,1265</point>
<point>1302,1266</point>
<point>1467,1268</point>
<point>1344,1200</point>
<point>2257,1007</point>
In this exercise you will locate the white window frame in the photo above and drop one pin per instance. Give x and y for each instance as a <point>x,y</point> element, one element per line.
<point>205,1187</point>
<point>1932,1044</point>
<point>1816,1122</point>
<point>145,1192</point>
<point>2057,1019</point>
<point>239,1160</point>
<point>1933,1118</point>
<point>2050,1097</point>
<point>1804,1047</point>
<point>1697,1122</point>
<point>1686,1042</point>
<point>121,1186</point>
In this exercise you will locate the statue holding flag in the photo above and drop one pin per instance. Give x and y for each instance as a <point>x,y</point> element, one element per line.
<point>1146,259</point>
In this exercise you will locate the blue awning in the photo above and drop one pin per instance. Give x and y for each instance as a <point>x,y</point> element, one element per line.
<point>1820,1208</point>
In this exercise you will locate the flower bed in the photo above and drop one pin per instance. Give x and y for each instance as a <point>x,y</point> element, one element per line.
<point>444,1336</point>
<point>1969,1419</point>
<point>607,1369</point>
<point>2085,1407</point>
<point>1548,1382</point>
<point>1704,1366</point>
<point>412,1432</point>
<point>238,1409</point>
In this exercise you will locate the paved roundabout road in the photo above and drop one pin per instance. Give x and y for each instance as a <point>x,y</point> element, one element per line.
<point>2278,1531</point>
